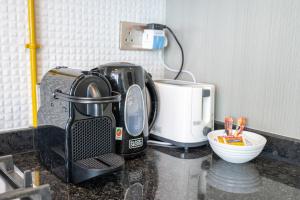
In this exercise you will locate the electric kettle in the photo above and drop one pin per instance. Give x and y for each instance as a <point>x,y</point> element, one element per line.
<point>133,122</point>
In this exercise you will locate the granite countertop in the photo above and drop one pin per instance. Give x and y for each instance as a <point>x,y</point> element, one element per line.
<point>169,173</point>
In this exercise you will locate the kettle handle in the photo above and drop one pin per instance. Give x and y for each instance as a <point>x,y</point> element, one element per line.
<point>154,99</point>
<point>87,100</point>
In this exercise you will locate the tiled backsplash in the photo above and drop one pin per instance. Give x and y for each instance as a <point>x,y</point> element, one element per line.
<point>74,33</point>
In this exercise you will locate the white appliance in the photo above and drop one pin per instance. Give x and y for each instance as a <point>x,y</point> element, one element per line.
<point>186,112</point>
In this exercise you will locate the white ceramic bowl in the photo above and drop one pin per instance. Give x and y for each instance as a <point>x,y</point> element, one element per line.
<point>237,154</point>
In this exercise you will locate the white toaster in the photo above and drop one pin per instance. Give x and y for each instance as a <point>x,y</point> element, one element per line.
<point>186,112</point>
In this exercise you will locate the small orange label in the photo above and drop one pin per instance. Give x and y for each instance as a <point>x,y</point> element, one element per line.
<point>232,140</point>
<point>119,133</point>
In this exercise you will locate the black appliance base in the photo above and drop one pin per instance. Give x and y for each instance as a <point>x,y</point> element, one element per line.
<point>133,155</point>
<point>179,144</point>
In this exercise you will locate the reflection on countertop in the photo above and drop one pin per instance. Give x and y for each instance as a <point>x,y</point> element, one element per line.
<point>164,173</point>
<point>234,178</point>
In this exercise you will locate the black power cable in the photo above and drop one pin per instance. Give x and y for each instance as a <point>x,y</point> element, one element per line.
<point>181,49</point>
<point>161,27</point>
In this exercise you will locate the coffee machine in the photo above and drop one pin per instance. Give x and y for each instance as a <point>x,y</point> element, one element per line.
<point>78,142</point>
<point>133,121</point>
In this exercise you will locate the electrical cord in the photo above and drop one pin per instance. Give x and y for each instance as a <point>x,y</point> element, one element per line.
<point>176,70</point>
<point>181,50</point>
<point>161,27</point>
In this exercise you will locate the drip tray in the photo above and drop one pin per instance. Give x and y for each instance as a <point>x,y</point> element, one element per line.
<point>96,166</point>
<point>102,162</point>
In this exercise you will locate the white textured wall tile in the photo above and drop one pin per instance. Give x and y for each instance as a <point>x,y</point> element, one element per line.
<point>74,33</point>
<point>250,49</point>
<point>14,68</point>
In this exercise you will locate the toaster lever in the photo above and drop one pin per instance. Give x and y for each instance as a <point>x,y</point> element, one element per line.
<point>205,93</point>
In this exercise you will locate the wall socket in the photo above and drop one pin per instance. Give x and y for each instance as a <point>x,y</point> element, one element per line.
<point>131,35</point>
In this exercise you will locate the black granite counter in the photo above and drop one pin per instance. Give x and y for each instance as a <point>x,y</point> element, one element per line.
<point>172,174</point>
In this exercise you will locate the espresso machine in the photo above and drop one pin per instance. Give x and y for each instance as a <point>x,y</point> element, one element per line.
<point>77,105</point>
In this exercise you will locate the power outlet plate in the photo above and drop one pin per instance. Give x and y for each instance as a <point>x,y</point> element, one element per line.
<point>131,35</point>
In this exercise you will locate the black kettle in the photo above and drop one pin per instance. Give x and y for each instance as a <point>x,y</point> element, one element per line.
<point>133,122</point>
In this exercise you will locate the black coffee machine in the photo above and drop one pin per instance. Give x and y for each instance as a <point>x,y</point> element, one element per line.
<point>77,105</point>
<point>132,118</point>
